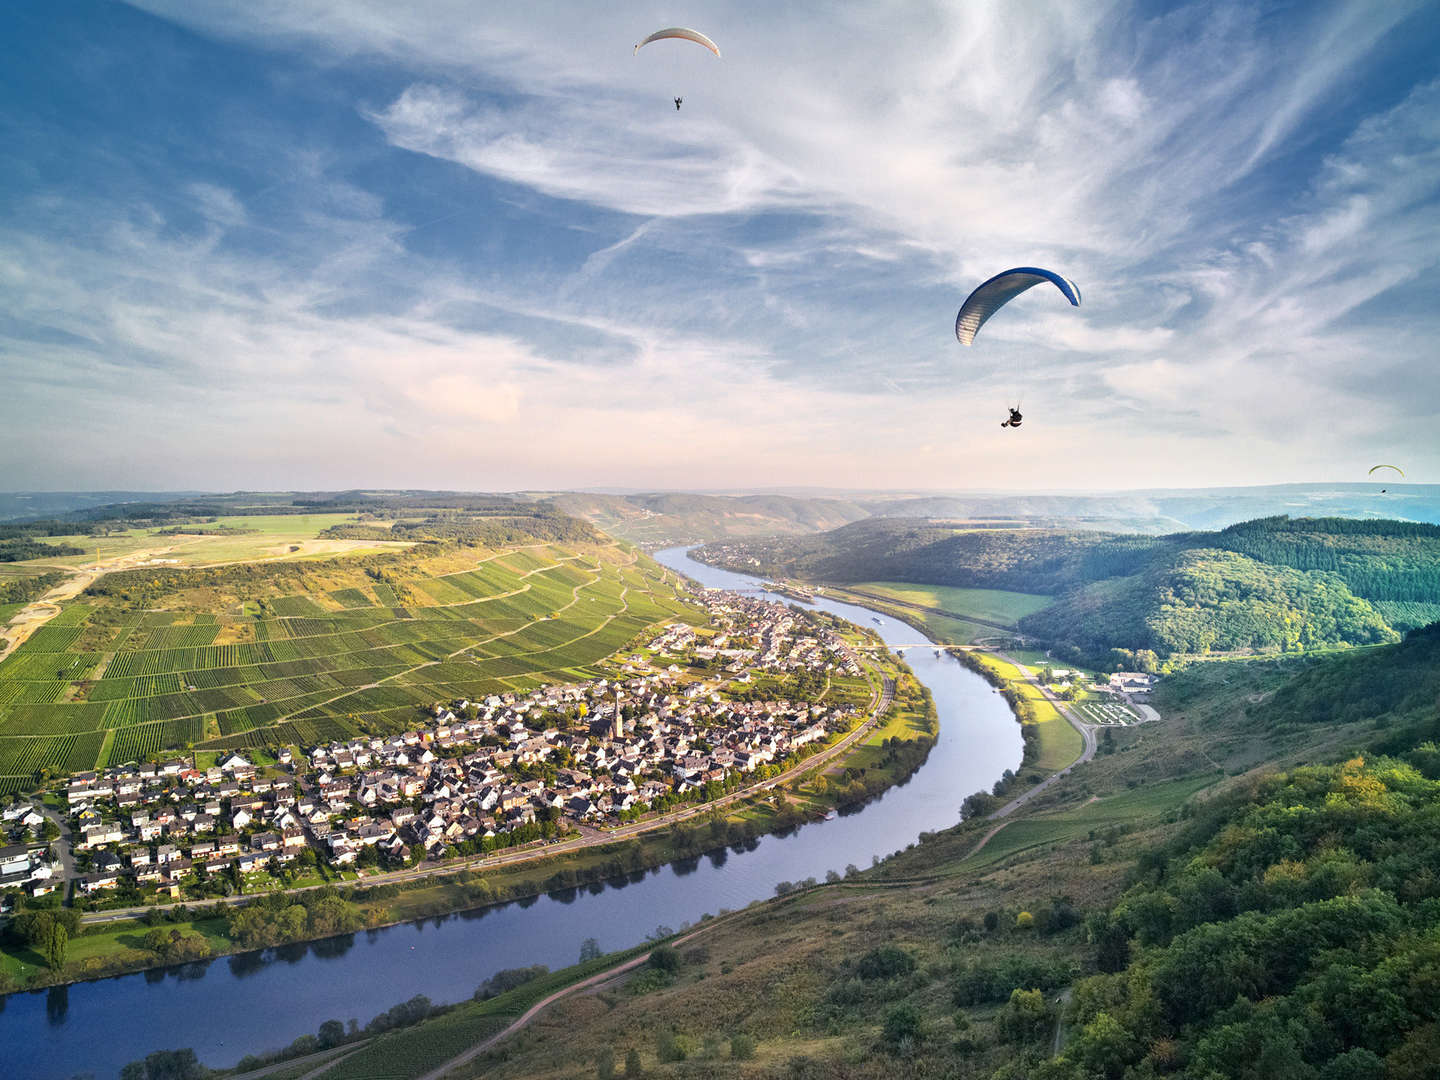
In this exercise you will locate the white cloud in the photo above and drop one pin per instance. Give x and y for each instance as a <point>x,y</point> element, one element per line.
<point>798,234</point>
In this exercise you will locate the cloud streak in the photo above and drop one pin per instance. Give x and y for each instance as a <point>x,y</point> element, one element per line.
<point>511,257</point>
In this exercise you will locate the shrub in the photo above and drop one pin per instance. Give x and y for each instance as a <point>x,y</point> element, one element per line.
<point>742,1047</point>
<point>1024,1018</point>
<point>885,962</point>
<point>671,1047</point>
<point>903,1022</point>
<point>665,958</point>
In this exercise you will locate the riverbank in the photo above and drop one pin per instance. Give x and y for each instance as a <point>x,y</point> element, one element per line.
<point>1059,740</point>
<point>881,752</point>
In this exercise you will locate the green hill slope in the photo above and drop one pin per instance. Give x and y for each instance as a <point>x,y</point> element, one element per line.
<point>1270,584</point>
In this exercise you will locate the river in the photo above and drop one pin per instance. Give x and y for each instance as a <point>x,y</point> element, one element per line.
<point>243,1004</point>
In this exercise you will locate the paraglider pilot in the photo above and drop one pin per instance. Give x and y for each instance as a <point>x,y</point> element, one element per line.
<point>1014,420</point>
<point>677,103</point>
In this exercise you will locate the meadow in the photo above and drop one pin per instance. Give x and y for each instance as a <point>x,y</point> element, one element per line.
<point>1060,744</point>
<point>107,681</point>
<point>952,616</point>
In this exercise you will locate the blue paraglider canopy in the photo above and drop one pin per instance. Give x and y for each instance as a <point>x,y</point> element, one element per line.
<point>994,294</point>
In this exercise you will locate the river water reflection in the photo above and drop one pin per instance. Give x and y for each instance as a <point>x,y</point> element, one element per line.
<point>236,1005</point>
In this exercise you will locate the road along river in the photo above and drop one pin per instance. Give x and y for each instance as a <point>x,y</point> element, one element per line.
<point>236,1005</point>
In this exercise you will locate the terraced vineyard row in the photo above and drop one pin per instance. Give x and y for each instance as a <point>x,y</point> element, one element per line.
<point>298,669</point>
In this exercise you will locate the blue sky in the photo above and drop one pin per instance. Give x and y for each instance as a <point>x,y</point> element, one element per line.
<point>313,244</point>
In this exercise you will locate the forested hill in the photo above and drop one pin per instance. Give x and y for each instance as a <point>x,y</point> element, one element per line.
<point>1270,584</point>
<point>1290,930</point>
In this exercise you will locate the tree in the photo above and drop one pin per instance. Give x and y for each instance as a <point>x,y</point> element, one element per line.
<point>56,946</point>
<point>992,920</point>
<point>1024,1018</point>
<point>332,1033</point>
<point>605,1064</point>
<point>665,958</point>
<point>670,1047</point>
<point>1104,1047</point>
<point>589,950</point>
<point>1112,949</point>
<point>166,1065</point>
<point>1024,921</point>
<point>633,1068</point>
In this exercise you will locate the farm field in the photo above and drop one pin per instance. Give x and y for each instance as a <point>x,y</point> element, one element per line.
<point>253,537</point>
<point>1124,808</point>
<point>1097,709</point>
<point>993,605</point>
<point>942,611</point>
<point>104,683</point>
<point>1060,744</point>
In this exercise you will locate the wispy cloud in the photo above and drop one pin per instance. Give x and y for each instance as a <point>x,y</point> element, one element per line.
<point>492,241</point>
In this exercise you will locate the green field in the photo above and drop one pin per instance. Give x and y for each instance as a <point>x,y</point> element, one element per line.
<point>994,605</point>
<point>1060,744</point>
<point>99,685</point>
<point>1041,830</point>
<point>947,615</point>
<point>250,537</point>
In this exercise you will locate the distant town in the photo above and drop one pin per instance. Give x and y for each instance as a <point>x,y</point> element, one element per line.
<point>511,769</point>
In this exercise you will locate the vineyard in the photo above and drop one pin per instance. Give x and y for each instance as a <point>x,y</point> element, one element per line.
<point>300,669</point>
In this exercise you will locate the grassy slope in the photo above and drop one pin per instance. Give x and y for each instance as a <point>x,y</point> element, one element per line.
<point>1267,585</point>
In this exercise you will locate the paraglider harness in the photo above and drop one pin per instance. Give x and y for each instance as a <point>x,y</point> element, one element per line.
<point>1014,420</point>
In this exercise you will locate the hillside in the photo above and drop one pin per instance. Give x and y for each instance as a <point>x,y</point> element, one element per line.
<point>1274,584</point>
<point>1277,924</point>
<point>290,650</point>
<point>679,517</point>
<point>664,519</point>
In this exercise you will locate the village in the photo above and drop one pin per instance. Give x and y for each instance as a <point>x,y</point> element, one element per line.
<point>682,721</point>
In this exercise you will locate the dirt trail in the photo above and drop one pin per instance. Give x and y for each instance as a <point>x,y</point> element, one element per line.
<point>37,613</point>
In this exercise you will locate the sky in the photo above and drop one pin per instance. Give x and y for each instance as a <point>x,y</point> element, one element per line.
<point>314,244</point>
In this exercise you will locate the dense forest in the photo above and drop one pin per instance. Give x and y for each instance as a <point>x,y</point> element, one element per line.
<point>1292,929</point>
<point>23,590</point>
<point>23,548</point>
<point>1209,600</point>
<point>492,527</point>
<point>1273,584</point>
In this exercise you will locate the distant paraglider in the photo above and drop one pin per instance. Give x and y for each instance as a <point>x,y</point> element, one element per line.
<point>1014,420</point>
<point>680,33</point>
<point>994,294</point>
<point>683,34</point>
<point>1395,467</point>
